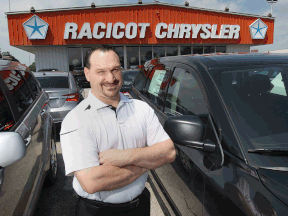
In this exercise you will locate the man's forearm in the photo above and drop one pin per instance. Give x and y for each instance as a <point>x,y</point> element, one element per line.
<point>154,156</point>
<point>108,177</point>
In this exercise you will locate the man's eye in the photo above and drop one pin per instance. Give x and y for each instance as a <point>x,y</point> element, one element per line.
<point>100,71</point>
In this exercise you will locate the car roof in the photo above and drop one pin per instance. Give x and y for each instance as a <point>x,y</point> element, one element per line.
<point>54,73</point>
<point>230,59</point>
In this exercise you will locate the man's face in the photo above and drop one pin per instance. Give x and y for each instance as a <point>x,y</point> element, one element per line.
<point>105,75</point>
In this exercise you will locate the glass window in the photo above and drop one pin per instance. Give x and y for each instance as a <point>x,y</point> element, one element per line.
<point>159,51</point>
<point>221,49</point>
<point>171,50</point>
<point>256,99</point>
<point>132,57</point>
<point>34,85</point>
<point>197,49</point>
<point>184,95</point>
<point>140,79</point>
<point>156,84</point>
<point>75,57</point>
<point>54,82</point>
<point>6,118</point>
<point>120,51</point>
<point>145,54</point>
<point>19,89</point>
<point>185,50</point>
<point>209,49</point>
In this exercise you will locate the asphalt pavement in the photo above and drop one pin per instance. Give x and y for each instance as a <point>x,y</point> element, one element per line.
<point>60,199</point>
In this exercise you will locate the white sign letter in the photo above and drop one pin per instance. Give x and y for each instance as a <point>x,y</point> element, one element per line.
<point>158,30</point>
<point>234,29</point>
<point>70,27</point>
<point>223,31</point>
<point>115,30</point>
<point>109,29</point>
<point>195,30</point>
<point>95,30</point>
<point>205,28</point>
<point>173,30</point>
<point>213,32</point>
<point>143,29</point>
<point>185,28</point>
<point>85,31</point>
<point>128,30</point>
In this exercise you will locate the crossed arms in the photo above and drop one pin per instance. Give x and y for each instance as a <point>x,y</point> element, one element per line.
<point>122,167</point>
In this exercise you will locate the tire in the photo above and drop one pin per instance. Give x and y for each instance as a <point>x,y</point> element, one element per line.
<point>52,174</point>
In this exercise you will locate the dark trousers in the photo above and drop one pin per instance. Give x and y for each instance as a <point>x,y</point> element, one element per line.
<point>84,208</point>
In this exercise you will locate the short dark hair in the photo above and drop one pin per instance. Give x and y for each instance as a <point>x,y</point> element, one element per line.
<point>103,48</point>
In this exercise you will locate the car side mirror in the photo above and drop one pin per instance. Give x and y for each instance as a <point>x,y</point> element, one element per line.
<point>188,131</point>
<point>12,148</point>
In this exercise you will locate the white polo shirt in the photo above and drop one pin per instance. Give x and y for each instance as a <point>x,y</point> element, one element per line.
<point>92,127</point>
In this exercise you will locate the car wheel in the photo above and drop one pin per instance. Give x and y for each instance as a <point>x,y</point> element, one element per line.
<point>52,175</point>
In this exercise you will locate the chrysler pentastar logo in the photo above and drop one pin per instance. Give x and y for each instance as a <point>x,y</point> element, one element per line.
<point>35,28</point>
<point>258,29</point>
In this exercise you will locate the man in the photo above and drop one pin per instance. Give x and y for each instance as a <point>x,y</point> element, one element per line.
<point>109,142</point>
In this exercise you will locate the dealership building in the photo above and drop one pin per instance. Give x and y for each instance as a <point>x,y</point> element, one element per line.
<point>59,38</point>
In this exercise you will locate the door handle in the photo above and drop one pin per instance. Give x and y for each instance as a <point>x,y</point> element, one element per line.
<point>28,140</point>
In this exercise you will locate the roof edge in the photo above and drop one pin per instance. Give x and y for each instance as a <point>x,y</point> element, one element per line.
<point>136,4</point>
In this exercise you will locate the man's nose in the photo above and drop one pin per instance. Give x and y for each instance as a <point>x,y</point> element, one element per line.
<point>110,77</point>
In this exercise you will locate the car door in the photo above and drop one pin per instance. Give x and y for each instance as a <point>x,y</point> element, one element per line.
<point>20,178</point>
<point>186,96</point>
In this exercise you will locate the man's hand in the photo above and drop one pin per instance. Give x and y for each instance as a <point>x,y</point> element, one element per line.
<point>115,157</point>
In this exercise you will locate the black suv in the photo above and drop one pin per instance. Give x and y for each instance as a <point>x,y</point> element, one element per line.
<point>228,117</point>
<point>27,140</point>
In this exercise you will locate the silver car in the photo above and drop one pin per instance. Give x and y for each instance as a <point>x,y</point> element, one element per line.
<point>27,140</point>
<point>64,93</point>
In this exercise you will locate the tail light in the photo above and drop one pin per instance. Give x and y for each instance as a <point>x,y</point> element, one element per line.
<point>72,97</point>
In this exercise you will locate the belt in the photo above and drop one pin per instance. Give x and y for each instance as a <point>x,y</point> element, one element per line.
<point>111,207</point>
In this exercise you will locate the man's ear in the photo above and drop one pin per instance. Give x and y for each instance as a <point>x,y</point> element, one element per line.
<point>87,73</point>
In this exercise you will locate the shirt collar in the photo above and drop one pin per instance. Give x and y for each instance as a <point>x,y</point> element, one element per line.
<point>98,104</point>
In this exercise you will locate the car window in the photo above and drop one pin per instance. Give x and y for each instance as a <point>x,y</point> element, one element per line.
<point>140,79</point>
<point>19,89</point>
<point>54,81</point>
<point>156,84</point>
<point>6,118</point>
<point>34,84</point>
<point>256,103</point>
<point>184,96</point>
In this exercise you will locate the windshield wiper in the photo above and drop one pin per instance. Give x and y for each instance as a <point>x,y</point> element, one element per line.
<point>269,151</point>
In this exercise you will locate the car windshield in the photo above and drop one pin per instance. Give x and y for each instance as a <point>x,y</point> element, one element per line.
<point>54,82</point>
<point>256,99</point>
<point>129,75</point>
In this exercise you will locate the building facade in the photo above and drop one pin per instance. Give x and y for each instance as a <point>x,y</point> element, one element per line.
<point>59,38</point>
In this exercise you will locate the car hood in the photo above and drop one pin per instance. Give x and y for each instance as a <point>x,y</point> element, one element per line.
<point>276,181</point>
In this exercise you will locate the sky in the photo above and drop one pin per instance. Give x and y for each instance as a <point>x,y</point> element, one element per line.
<point>257,7</point>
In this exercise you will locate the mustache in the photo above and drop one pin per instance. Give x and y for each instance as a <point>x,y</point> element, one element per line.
<point>115,82</point>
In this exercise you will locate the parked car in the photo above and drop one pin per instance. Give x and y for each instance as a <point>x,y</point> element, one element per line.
<point>28,153</point>
<point>229,126</point>
<point>128,79</point>
<point>79,75</point>
<point>48,69</point>
<point>64,93</point>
